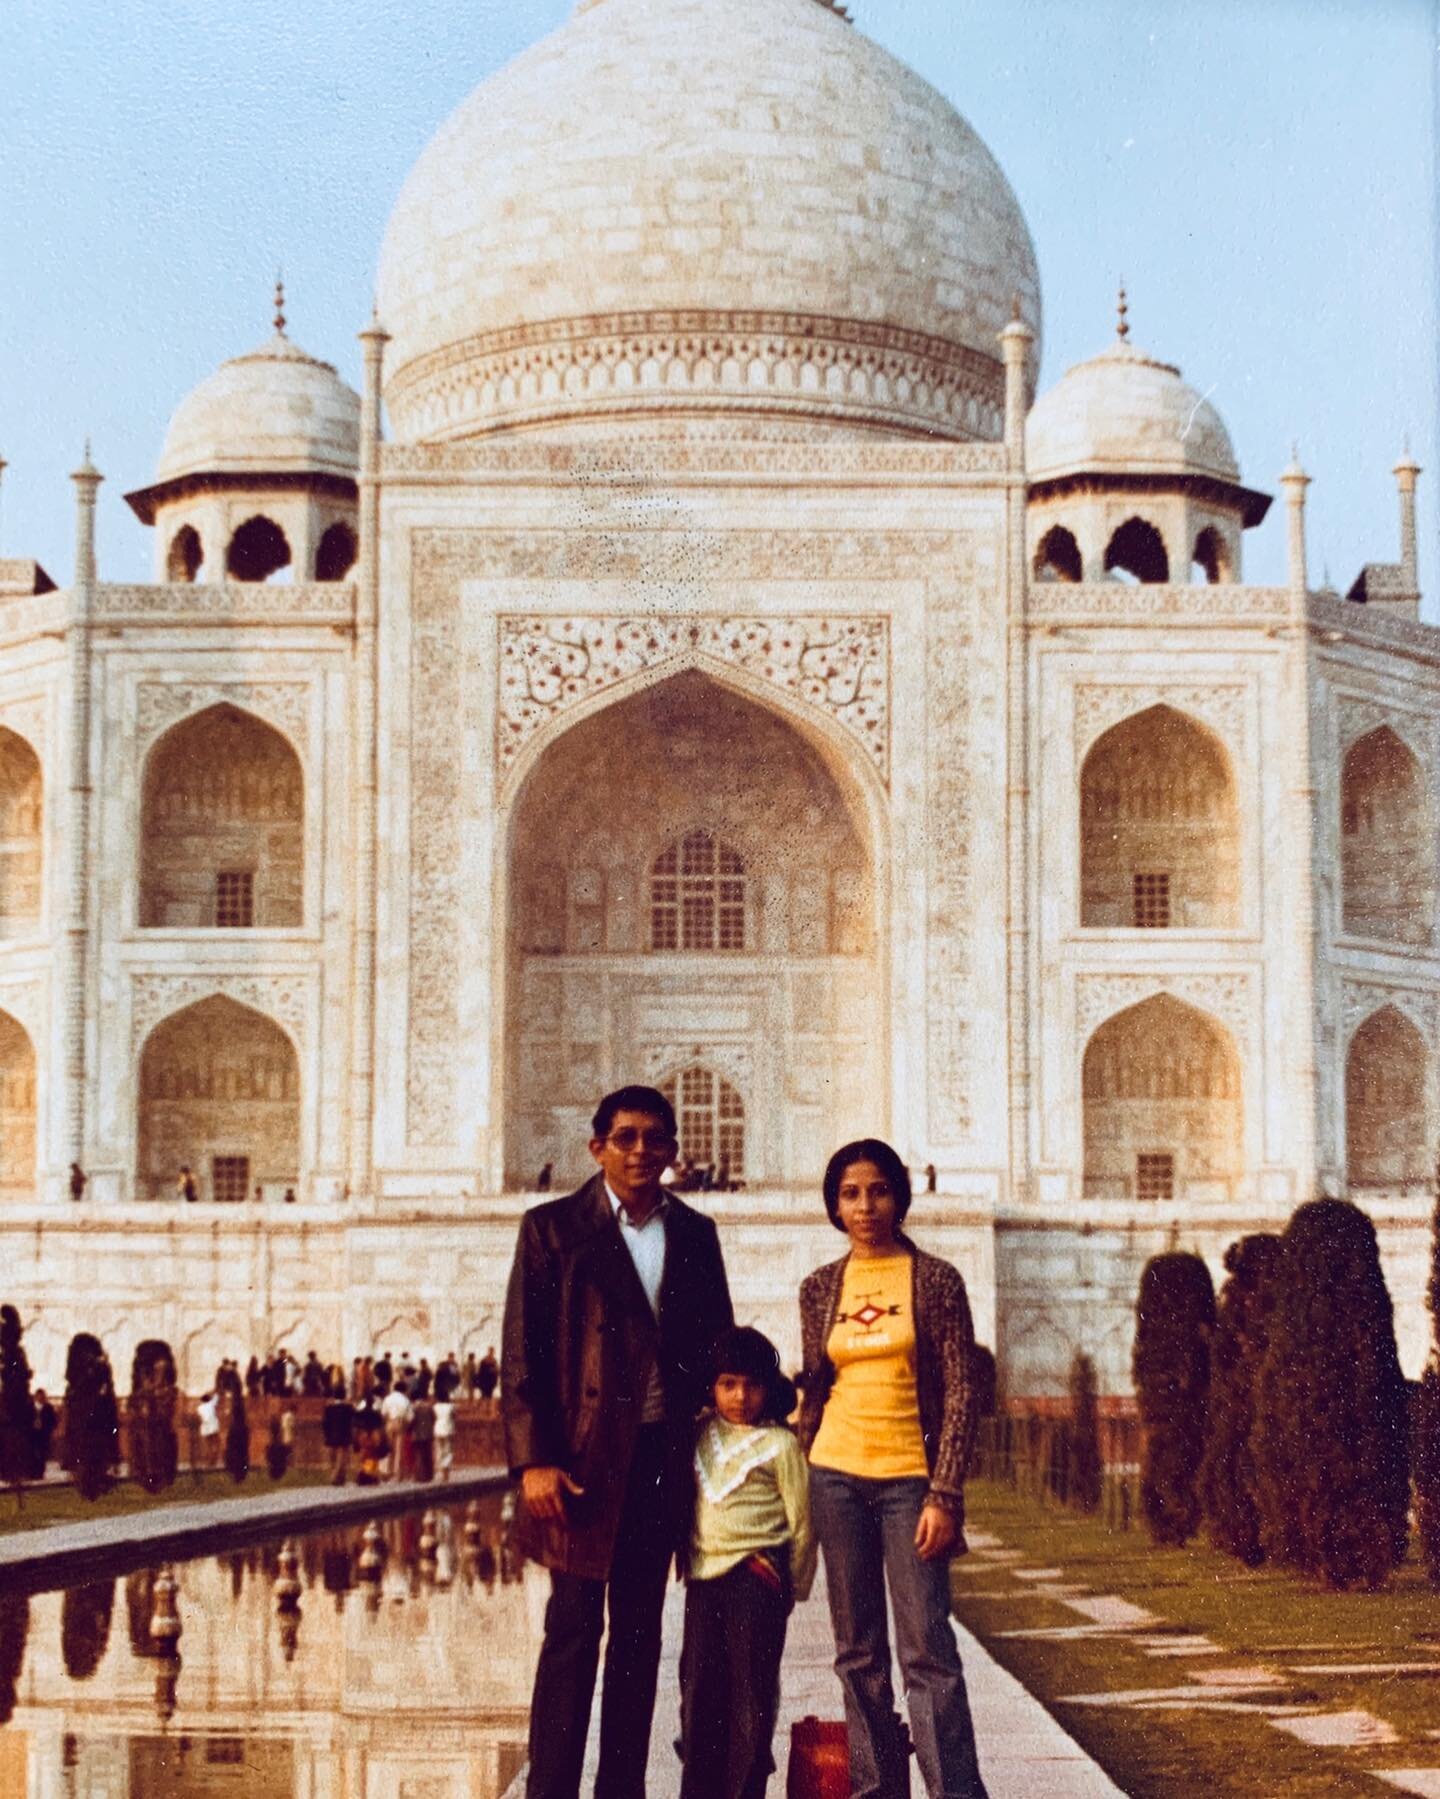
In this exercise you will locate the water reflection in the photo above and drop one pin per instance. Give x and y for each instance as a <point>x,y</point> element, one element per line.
<point>388,1658</point>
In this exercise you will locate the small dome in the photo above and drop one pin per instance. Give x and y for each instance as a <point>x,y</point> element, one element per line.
<point>276,410</point>
<point>1125,413</point>
<point>674,203</point>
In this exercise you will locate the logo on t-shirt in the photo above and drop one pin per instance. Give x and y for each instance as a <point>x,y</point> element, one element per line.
<point>867,1314</point>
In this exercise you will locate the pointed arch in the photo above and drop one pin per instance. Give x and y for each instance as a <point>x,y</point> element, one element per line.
<point>17,1109</point>
<point>1387,1122</point>
<point>1163,1105</point>
<point>185,557</point>
<point>22,837</point>
<point>1159,827</point>
<point>336,554</point>
<point>222,825</point>
<point>1137,550</point>
<point>1387,848</point>
<point>1057,556</point>
<point>220,1094</point>
<point>1211,556</point>
<point>690,750</point>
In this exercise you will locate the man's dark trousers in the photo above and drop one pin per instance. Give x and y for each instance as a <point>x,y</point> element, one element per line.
<point>574,1617</point>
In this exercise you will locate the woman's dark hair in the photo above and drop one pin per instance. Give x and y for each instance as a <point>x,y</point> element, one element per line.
<point>743,1350</point>
<point>648,1101</point>
<point>868,1149</point>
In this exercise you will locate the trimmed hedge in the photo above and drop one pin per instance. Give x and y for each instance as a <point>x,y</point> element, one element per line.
<point>1174,1316</point>
<point>1227,1475</point>
<point>1329,1435</point>
<point>92,1417</point>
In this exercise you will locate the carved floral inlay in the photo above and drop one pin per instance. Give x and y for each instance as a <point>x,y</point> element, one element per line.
<point>1098,707</point>
<point>1227,997</point>
<point>285,704</point>
<point>285,998</point>
<point>839,664</point>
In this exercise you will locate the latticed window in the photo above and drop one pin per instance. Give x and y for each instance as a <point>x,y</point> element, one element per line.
<point>235,898</point>
<point>697,896</point>
<point>711,1117</point>
<point>1155,1175</point>
<point>230,1177</point>
<point>1151,893</point>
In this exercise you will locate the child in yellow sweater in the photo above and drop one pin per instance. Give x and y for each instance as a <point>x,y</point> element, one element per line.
<point>752,1556</point>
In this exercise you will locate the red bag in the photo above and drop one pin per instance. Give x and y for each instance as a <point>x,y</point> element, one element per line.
<point>819,1761</point>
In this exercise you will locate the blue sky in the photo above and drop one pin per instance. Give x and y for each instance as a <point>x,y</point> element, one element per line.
<point>1264,175</point>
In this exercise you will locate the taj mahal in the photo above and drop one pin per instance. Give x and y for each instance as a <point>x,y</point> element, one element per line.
<point>703,654</point>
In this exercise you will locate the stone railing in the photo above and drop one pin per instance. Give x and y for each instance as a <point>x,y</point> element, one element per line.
<point>1119,603</point>
<point>1372,624</point>
<point>232,602</point>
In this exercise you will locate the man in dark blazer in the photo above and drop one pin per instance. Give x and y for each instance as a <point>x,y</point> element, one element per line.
<point>616,1298</point>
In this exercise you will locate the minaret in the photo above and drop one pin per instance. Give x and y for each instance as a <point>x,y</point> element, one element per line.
<point>87,479</point>
<point>365,740</point>
<point>1407,473</point>
<point>1295,481</point>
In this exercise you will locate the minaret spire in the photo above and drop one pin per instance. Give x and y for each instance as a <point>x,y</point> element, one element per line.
<point>280,303</point>
<point>1122,309</point>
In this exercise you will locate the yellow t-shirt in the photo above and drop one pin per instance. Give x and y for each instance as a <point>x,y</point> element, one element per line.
<point>871,1425</point>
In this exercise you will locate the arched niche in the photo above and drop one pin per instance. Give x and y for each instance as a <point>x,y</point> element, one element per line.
<point>22,803</point>
<point>336,554</point>
<point>17,1110</point>
<point>185,557</point>
<point>1057,556</point>
<point>1159,827</point>
<point>596,999</point>
<point>1136,552</point>
<point>1210,558</point>
<point>1387,851</point>
<point>259,551</point>
<point>1387,1130</point>
<point>222,826</point>
<point>220,1094</point>
<point>1163,1102</point>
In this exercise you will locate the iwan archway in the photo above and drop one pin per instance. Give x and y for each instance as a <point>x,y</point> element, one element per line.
<point>690,882</point>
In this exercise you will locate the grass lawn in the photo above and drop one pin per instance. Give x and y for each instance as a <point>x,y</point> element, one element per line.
<point>1261,1617</point>
<point>63,1505</point>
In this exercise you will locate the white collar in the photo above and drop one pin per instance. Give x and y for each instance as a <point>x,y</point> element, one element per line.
<point>624,1219</point>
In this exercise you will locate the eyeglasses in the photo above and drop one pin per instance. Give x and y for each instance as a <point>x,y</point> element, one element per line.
<point>641,1140</point>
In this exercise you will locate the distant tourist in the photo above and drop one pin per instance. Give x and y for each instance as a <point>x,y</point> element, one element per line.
<point>545,1178</point>
<point>369,1441</point>
<point>395,1411</point>
<point>444,1437</point>
<point>487,1376</point>
<point>289,1196</point>
<point>422,1438</point>
<point>930,1177</point>
<point>208,1412</point>
<point>337,1425</point>
<point>185,1185</point>
<point>43,1422</point>
<point>78,1181</point>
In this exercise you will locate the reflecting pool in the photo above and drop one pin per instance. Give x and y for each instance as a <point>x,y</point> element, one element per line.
<point>389,1660</point>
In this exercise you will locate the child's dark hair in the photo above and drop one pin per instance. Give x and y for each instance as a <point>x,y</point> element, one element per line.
<point>744,1350</point>
<point>868,1149</point>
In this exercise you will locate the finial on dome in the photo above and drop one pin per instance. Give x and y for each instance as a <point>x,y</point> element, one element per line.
<point>1122,325</point>
<point>836,7</point>
<point>280,303</point>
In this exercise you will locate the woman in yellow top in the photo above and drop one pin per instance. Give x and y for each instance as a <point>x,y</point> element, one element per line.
<point>888,1421</point>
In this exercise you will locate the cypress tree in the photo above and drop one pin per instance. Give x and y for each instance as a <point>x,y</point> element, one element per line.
<point>92,1417</point>
<point>14,1628</point>
<point>85,1627</point>
<point>1330,1426</point>
<point>1087,1468</point>
<point>1227,1475</point>
<point>1427,1422</point>
<point>154,1448</point>
<point>17,1408</point>
<point>1175,1314</point>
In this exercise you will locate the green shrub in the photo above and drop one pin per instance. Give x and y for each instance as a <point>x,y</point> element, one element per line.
<point>92,1417</point>
<point>1174,1316</point>
<point>1227,1475</point>
<point>1329,1433</point>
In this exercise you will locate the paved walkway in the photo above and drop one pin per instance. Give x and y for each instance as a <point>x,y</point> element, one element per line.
<point>59,1554</point>
<point>1024,1754</point>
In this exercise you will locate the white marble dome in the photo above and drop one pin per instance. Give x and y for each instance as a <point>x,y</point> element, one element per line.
<point>276,410</point>
<point>1124,412</point>
<point>682,203</point>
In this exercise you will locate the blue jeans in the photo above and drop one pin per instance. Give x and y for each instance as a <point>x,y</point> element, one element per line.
<point>866,1530</point>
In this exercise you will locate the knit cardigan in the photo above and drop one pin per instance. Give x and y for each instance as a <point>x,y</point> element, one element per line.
<point>945,1390</point>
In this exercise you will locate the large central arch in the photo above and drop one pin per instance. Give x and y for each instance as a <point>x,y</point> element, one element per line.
<point>693,790</point>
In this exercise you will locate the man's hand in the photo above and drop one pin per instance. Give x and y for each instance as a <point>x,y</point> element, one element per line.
<point>937,1534</point>
<point>544,1490</point>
